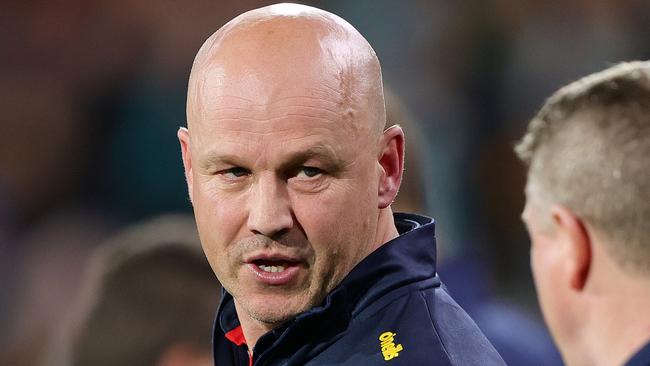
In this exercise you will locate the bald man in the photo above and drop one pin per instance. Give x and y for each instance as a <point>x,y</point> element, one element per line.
<point>291,174</point>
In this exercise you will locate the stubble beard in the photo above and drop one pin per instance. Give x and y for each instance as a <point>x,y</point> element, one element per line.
<point>283,314</point>
<point>297,300</point>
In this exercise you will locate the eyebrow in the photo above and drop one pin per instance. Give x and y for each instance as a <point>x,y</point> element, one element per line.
<point>213,159</point>
<point>325,153</point>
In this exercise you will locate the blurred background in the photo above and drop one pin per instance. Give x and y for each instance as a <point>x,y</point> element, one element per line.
<point>92,93</point>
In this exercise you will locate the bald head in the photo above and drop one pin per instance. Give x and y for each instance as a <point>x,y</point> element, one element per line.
<point>282,51</point>
<point>286,141</point>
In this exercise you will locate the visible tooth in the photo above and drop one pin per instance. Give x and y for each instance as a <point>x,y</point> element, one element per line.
<point>272,269</point>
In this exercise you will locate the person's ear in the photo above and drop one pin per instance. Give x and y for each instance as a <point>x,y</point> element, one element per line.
<point>577,246</point>
<point>391,161</point>
<point>184,138</point>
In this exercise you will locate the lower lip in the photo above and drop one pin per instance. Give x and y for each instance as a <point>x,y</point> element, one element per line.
<point>275,278</point>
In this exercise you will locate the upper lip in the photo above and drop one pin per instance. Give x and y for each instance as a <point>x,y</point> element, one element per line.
<point>270,256</point>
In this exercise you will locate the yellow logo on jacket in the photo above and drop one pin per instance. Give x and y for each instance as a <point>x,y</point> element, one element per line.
<point>389,349</point>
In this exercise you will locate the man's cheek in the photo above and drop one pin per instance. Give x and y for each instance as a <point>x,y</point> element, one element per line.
<point>319,208</point>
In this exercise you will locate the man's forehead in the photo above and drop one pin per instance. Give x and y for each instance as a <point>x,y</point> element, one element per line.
<point>251,124</point>
<point>274,102</point>
<point>260,85</point>
<point>292,112</point>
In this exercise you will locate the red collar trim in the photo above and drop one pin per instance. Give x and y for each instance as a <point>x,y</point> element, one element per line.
<point>236,336</point>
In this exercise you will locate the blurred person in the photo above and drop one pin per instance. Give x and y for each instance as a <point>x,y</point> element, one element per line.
<point>292,173</point>
<point>588,215</point>
<point>148,299</point>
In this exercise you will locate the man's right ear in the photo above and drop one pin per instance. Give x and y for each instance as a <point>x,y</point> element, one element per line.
<point>575,237</point>
<point>184,138</point>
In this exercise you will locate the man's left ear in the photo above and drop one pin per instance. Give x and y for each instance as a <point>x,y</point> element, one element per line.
<point>577,246</point>
<point>184,139</point>
<point>391,161</point>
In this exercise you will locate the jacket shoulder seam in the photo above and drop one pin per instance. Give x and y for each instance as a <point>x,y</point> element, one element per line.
<point>434,326</point>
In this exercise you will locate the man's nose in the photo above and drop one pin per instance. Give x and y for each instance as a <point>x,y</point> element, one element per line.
<point>269,211</point>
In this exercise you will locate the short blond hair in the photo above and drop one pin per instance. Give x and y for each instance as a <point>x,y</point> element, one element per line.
<point>588,149</point>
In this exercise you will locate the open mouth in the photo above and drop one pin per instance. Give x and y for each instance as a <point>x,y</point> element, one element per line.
<point>272,266</point>
<point>275,272</point>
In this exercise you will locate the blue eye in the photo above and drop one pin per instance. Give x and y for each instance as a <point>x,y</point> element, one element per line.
<point>237,171</point>
<point>234,173</point>
<point>309,172</point>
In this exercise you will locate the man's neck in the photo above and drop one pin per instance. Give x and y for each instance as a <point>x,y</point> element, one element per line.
<point>386,229</point>
<point>622,324</point>
<point>253,329</point>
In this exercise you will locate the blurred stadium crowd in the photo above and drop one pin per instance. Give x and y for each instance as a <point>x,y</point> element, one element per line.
<point>92,93</point>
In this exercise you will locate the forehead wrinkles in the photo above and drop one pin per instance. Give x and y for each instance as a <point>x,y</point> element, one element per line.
<point>235,108</point>
<point>310,107</point>
<point>276,133</point>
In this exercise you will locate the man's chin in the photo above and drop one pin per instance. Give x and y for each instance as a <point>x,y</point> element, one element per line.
<point>271,319</point>
<point>274,313</point>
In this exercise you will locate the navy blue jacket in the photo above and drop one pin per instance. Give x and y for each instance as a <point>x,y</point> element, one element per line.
<point>641,357</point>
<point>390,310</point>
